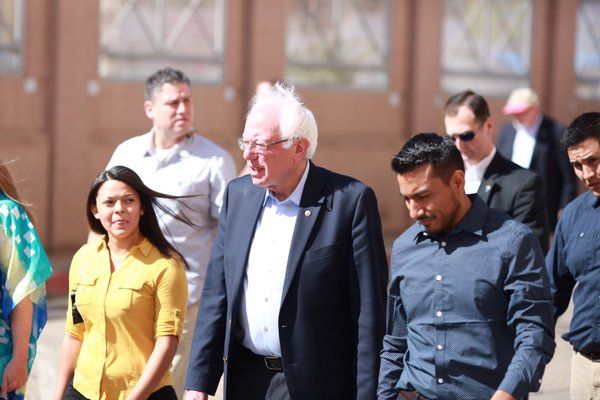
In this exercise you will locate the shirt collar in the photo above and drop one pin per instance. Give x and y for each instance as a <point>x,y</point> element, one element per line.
<point>145,246</point>
<point>477,171</point>
<point>474,218</point>
<point>594,201</point>
<point>296,195</point>
<point>530,130</point>
<point>179,147</point>
<point>472,222</point>
<point>482,165</point>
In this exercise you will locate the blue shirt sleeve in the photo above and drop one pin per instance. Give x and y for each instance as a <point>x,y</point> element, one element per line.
<point>561,280</point>
<point>529,315</point>
<point>394,344</point>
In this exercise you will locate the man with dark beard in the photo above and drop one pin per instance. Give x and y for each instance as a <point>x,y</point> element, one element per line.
<point>469,307</point>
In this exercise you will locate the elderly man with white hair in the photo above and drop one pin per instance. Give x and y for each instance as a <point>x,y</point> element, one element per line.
<point>532,140</point>
<point>294,301</point>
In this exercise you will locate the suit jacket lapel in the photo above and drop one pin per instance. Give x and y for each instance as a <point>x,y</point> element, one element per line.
<point>510,141</point>
<point>485,189</point>
<point>541,142</point>
<point>488,183</point>
<point>310,207</point>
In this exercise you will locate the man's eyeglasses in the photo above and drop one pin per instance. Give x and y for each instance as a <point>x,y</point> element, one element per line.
<point>465,136</point>
<point>259,147</point>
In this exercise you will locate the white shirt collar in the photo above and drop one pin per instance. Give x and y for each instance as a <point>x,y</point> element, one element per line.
<point>179,147</point>
<point>296,195</point>
<point>474,174</point>
<point>482,165</point>
<point>530,130</point>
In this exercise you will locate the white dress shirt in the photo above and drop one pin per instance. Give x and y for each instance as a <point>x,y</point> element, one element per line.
<point>525,138</point>
<point>194,166</point>
<point>265,271</point>
<point>474,174</point>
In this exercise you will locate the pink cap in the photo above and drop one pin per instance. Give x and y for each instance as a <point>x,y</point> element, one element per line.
<point>520,100</point>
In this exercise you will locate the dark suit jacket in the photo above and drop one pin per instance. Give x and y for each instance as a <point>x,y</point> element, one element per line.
<point>551,163</point>
<point>519,193</point>
<point>332,315</point>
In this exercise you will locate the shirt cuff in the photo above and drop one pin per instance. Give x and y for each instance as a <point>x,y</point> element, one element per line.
<point>514,387</point>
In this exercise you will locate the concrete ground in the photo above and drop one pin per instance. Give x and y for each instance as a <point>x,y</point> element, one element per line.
<point>41,385</point>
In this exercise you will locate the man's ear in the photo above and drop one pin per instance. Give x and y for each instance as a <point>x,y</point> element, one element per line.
<point>300,148</point>
<point>148,109</point>
<point>458,180</point>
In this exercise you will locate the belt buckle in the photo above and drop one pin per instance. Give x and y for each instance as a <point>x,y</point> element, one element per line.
<point>273,363</point>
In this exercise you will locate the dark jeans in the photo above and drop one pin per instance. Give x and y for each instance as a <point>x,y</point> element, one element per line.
<point>164,393</point>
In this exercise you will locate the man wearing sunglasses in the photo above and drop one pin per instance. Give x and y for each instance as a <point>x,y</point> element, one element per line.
<point>501,183</point>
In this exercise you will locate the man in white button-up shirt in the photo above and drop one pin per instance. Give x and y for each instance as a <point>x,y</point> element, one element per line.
<point>532,140</point>
<point>294,300</point>
<point>173,159</point>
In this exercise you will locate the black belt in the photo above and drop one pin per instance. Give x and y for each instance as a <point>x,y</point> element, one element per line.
<point>269,362</point>
<point>410,395</point>
<point>591,355</point>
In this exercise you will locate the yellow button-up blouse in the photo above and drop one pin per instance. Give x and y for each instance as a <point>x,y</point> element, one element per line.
<point>123,314</point>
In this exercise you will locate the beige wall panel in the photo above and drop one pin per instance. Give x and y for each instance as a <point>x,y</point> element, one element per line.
<point>541,51</point>
<point>21,114</point>
<point>38,40</point>
<point>563,104</point>
<point>75,118</point>
<point>371,164</point>
<point>23,117</point>
<point>266,51</point>
<point>353,114</point>
<point>30,172</point>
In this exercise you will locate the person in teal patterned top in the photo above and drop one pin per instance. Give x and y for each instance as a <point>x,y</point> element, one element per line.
<point>24,268</point>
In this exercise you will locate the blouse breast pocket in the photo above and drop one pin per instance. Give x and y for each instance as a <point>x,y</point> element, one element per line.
<point>129,293</point>
<point>84,292</point>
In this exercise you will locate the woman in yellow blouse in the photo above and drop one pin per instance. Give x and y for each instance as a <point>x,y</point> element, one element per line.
<point>128,298</point>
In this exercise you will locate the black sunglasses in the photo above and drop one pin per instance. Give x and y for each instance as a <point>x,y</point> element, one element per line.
<point>465,136</point>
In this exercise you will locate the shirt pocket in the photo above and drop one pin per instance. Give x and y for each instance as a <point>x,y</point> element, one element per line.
<point>84,293</point>
<point>582,251</point>
<point>129,293</point>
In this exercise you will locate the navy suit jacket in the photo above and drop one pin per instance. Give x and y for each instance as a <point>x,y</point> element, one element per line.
<point>551,163</point>
<point>332,314</point>
<point>519,193</point>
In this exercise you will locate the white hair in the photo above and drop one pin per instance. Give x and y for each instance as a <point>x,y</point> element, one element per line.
<point>296,120</point>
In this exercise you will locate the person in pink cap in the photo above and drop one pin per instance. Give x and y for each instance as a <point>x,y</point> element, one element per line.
<point>532,140</point>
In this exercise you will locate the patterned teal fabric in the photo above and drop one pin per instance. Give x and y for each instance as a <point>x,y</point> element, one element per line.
<point>24,267</point>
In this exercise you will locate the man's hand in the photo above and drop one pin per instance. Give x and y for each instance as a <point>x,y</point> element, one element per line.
<point>193,395</point>
<point>502,395</point>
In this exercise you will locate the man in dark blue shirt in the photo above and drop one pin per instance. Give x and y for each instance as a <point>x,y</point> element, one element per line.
<point>469,307</point>
<point>575,257</point>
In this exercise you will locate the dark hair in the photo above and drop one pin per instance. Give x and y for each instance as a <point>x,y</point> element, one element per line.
<point>583,127</point>
<point>149,227</point>
<point>429,148</point>
<point>159,78</point>
<point>469,98</point>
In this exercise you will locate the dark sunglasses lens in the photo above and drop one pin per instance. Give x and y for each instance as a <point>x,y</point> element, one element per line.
<point>467,136</point>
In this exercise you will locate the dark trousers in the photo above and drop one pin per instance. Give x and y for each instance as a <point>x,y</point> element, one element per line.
<point>164,393</point>
<point>249,379</point>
